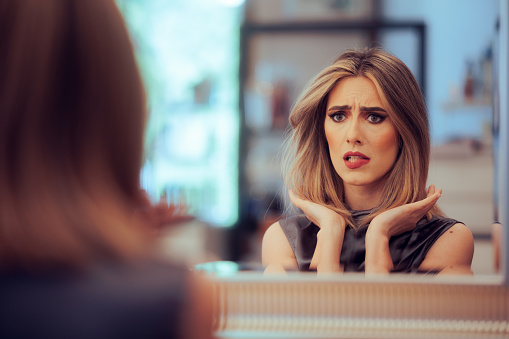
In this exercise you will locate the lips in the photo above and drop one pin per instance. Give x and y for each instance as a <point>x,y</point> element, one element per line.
<point>355,160</point>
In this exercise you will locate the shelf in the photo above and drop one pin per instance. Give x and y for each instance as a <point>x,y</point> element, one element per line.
<point>471,105</point>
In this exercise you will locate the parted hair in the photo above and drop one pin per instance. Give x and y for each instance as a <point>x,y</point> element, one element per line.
<point>72,116</point>
<point>307,166</point>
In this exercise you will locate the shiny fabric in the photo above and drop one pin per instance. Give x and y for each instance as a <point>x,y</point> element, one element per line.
<point>408,249</point>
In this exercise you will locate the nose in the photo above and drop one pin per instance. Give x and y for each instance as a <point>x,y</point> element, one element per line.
<point>354,133</point>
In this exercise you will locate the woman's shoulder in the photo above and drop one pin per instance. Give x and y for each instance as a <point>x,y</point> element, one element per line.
<point>453,251</point>
<point>412,248</point>
<point>289,228</point>
<point>428,231</point>
<point>436,224</point>
<point>298,221</point>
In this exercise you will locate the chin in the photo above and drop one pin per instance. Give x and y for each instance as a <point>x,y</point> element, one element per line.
<point>359,180</point>
<point>356,181</point>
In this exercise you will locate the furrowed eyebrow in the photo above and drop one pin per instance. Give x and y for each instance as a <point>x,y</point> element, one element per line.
<point>362,108</point>
<point>372,109</point>
<point>340,108</point>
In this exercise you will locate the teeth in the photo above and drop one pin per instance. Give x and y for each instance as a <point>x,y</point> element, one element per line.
<point>352,158</point>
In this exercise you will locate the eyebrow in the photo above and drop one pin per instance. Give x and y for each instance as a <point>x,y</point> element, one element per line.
<point>362,108</point>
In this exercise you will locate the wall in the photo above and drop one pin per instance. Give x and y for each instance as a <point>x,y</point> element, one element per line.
<point>458,31</point>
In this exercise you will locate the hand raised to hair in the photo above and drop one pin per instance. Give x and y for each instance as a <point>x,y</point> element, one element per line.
<point>404,218</point>
<point>161,214</point>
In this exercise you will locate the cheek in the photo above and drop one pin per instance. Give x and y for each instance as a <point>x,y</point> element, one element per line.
<point>334,145</point>
<point>333,136</point>
<point>387,142</point>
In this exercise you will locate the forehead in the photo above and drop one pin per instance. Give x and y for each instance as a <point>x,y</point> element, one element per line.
<point>354,90</point>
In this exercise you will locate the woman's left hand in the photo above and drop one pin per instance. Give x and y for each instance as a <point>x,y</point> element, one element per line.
<point>403,218</point>
<point>392,222</point>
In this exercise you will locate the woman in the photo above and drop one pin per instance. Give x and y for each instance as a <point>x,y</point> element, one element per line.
<point>75,257</point>
<point>356,165</point>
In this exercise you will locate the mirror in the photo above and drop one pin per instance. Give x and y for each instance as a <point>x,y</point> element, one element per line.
<point>449,46</point>
<point>194,110</point>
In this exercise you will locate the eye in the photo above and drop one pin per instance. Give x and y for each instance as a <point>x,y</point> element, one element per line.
<point>337,116</point>
<point>375,118</point>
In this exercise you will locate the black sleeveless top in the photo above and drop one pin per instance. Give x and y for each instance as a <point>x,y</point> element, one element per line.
<point>407,249</point>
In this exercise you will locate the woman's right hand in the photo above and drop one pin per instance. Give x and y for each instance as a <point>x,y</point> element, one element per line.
<point>318,214</point>
<point>329,238</point>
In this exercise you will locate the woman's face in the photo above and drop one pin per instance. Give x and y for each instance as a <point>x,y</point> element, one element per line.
<point>363,143</point>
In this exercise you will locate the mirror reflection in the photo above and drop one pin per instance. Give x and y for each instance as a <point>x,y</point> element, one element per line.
<point>449,47</point>
<point>356,164</point>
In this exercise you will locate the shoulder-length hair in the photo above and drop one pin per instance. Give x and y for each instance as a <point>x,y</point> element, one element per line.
<point>72,116</point>
<point>307,166</point>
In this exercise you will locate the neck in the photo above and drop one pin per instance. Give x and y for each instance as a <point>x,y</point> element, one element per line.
<point>361,198</point>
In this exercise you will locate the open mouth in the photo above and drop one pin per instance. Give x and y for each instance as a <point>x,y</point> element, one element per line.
<point>355,160</point>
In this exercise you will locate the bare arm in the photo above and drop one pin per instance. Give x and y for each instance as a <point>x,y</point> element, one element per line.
<point>277,254</point>
<point>328,248</point>
<point>378,257</point>
<point>452,253</point>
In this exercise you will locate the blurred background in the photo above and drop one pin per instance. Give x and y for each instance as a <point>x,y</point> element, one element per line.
<point>222,75</point>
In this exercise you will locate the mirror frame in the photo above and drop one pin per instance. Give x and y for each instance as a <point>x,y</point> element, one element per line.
<point>249,305</point>
<point>503,160</point>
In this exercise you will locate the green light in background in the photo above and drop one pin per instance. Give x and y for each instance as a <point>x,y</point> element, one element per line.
<point>188,54</point>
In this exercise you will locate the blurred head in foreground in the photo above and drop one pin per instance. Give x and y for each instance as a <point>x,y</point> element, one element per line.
<point>72,115</point>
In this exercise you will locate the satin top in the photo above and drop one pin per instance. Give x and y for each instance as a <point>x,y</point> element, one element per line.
<point>407,249</point>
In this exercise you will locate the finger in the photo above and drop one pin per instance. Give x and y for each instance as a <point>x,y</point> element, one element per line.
<point>431,201</point>
<point>297,201</point>
<point>433,198</point>
<point>182,198</point>
<point>144,198</point>
<point>184,209</point>
<point>294,199</point>
<point>171,208</point>
<point>428,202</point>
<point>431,190</point>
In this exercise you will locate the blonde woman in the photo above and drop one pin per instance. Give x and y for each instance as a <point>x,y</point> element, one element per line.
<point>356,165</point>
<point>76,259</point>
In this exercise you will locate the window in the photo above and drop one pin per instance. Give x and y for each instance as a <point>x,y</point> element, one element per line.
<point>188,55</point>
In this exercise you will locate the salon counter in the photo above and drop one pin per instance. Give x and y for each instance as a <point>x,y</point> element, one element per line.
<point>300,305</point>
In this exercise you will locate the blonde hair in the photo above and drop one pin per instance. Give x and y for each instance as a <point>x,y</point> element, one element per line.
<point>307,167</point>
<point>72,116</point>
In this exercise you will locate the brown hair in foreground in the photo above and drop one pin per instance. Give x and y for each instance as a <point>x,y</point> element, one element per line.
<point>72,113</point>
<point>72,117</point>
